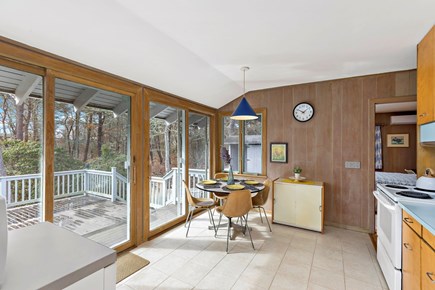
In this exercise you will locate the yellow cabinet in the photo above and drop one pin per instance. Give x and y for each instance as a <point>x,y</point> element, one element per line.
<point>410,258</point>
<point>298,204</point>
<point>426,78</point>
<point>427,267</point>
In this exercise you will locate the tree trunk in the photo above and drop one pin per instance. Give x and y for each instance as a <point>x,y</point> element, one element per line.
<point>158,148</point>
<point>2,165</point>
<point>88,136</point>
<point>35,122</point>
<point>101,118</point>
<point>167,150</point>
<point>28,117</point>
<point>4,116</point>
<point>76,146</point>
<point>20,124</point>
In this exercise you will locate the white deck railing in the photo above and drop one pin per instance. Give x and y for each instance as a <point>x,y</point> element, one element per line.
<point>26,189</point>
<point>162,190</point>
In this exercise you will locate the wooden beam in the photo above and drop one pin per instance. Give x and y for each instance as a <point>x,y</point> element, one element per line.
<point>156,109</point>
<point>122,107</point>
<point>172,118</point>
<point>26,87</point>
<point>85,97</point>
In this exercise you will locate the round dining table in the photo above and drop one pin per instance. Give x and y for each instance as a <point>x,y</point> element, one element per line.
<point>220,187</point>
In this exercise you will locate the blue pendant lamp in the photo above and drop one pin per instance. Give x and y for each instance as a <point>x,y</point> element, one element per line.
<point>244,111</point>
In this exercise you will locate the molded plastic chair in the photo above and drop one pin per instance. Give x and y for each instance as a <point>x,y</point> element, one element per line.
<point>237,205</point>
<point>198,203</point>
<point>220,196</point>
<point>260,200</point>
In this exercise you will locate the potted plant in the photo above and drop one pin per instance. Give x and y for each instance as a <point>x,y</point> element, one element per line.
<point>297,170</point>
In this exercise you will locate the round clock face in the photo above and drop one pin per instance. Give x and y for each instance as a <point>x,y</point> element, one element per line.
<point>303,112</point>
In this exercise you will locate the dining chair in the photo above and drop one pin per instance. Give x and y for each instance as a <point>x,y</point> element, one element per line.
<point>220,196</point>
<point>260,200</point>
<point>198,203</point>
<point>237,205</point>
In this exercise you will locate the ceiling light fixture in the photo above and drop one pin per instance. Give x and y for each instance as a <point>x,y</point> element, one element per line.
<point>244,111</point>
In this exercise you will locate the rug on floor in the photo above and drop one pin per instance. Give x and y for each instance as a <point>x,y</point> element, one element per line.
<point>128,264</point>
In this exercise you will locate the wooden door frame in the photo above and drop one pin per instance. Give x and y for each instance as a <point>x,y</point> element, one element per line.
<point>371,152</point>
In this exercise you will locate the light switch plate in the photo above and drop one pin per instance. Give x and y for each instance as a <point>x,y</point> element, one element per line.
<point>352,164</point>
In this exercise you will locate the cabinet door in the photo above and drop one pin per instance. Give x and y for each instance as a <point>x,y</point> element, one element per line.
<point>425,79</point>
<point>308,208</point>
<point>284,204</point>
<point>410,258</point>
<point>427,267</point>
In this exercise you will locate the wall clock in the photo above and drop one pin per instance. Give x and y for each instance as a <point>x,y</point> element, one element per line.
<point>303,112</point>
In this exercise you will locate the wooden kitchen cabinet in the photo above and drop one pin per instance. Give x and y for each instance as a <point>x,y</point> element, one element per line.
<point>426,79</point>
<point>410,258</point>
<point>298,204</point>
<point>427,267</point>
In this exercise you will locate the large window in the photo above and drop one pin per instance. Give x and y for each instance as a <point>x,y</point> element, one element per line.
<point>244,141</point>
<point>21,143</point>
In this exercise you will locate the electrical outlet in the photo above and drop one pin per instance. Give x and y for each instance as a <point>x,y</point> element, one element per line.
<point>352,164</point>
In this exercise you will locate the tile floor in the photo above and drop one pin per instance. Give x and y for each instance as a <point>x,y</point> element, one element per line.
<point>287,258</point>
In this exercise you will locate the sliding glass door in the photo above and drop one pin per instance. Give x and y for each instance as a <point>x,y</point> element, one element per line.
<point>92,162</point>
<point>199,151</point>
<point>167,166</point>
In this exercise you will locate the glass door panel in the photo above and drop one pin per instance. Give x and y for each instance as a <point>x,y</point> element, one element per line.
<point>167,166</point>
<point>92,154</point>
<point>199,151</point>
<point>21,144</point>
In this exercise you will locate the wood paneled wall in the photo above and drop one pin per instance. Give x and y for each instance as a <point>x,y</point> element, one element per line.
<point>338,132</point>
<point>397,159</point>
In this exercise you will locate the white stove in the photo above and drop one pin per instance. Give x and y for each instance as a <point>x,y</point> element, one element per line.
<point>409,193</point>
<point>389,227</point>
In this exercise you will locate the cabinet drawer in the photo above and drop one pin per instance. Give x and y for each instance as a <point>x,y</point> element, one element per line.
<point>410,221</point>
<point>427,267</point>
<point>410,259</point>
<point>429,238</point>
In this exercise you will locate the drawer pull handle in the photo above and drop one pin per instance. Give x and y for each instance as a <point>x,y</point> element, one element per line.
<point>408,246</point>
<point>429,275</point>
<point>422,115</point>
<point>408,220</point>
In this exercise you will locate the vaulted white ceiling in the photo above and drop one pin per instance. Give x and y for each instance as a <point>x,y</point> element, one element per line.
<point>195,48</point>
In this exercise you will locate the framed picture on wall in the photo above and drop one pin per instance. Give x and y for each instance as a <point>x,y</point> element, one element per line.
<point>397,140</point>
<point>278,152</point>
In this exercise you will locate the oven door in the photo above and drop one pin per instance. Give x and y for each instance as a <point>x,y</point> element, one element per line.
<point>390,228</point>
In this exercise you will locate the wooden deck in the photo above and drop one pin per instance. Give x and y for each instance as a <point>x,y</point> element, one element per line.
<point>96,218</point>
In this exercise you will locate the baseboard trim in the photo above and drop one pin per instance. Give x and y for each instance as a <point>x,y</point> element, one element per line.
<point>352,228</point>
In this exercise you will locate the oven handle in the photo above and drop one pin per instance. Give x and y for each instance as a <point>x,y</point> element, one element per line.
<point>386,203</point>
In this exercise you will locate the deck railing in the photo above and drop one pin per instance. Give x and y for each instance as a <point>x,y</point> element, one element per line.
<point>26,189</point>
<point>162,189</point>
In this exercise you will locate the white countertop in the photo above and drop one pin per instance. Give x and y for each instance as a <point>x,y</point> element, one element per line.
<point>424,213</point>
<point>45,256</point>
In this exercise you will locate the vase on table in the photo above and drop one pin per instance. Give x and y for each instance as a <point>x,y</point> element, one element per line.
<point>297,176</point>
<point>230,176</point>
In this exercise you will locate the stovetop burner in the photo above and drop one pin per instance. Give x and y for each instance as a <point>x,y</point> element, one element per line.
<point>414,194</point>
<point>426,190</point>
<point>396,186</point>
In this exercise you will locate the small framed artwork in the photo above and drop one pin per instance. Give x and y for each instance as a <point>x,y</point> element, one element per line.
<point>397,140</point>
<point>278,152</point>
